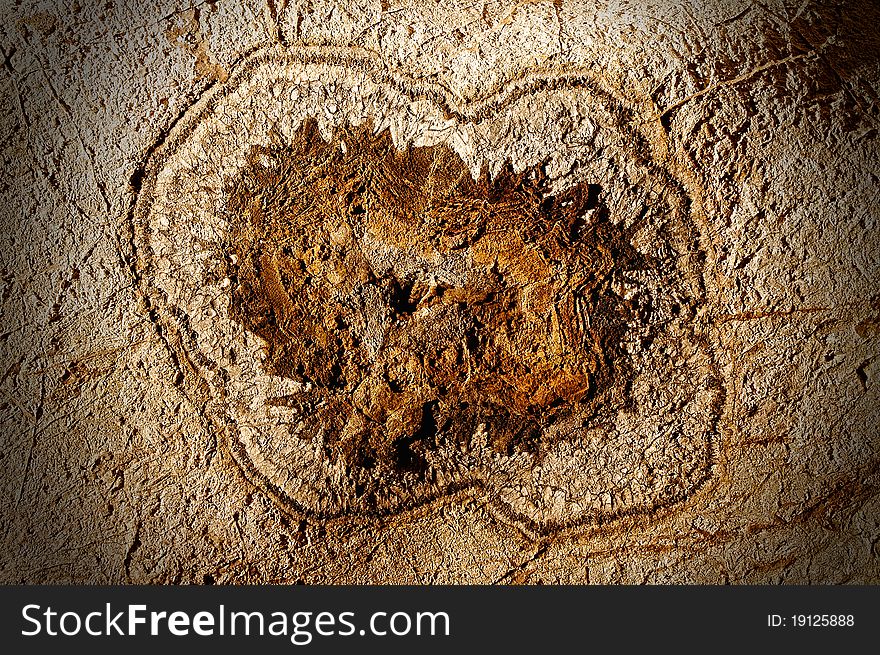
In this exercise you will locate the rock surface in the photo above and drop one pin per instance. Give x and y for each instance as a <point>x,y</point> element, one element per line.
<point>733,143</point>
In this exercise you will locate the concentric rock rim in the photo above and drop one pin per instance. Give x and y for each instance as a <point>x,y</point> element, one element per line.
<point>207,379</point>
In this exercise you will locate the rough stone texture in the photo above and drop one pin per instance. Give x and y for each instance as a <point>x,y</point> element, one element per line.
<point>764,115</point>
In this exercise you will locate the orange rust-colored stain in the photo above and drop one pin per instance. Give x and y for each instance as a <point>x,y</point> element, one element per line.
<point>417,303</point>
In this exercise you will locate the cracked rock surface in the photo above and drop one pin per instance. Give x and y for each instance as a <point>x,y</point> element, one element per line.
<point>440,293</point>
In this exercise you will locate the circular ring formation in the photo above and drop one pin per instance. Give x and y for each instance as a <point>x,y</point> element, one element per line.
<point>386,299</point>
